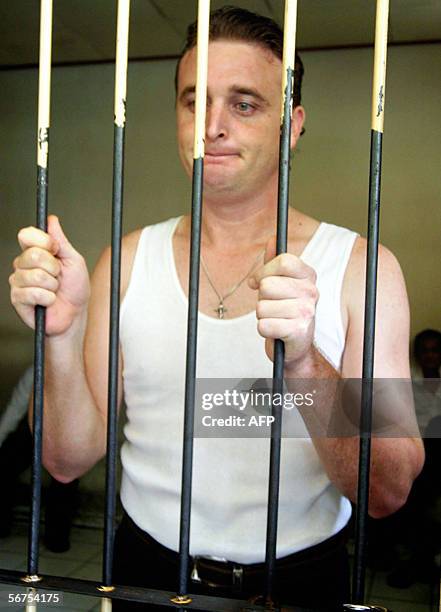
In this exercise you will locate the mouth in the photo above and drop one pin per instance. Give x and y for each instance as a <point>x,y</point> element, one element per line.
<point>219,157</point>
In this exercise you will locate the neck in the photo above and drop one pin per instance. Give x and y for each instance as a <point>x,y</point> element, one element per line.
<point>227,224</point>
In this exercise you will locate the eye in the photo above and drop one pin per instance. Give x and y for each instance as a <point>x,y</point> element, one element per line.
<point>190,104</point>
<point>244,107</point>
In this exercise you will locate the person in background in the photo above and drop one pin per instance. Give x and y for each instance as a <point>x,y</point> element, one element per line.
<point>420,518</point>
<point>16,457</point>
<point>407,542</point>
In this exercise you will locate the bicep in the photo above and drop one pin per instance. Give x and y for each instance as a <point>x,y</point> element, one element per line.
<point>394,411</point>
<point>96,347</point>
<point>391,356</point>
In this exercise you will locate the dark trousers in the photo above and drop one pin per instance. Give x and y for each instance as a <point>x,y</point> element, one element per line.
<point>15,458</point>
<point>317,578</point>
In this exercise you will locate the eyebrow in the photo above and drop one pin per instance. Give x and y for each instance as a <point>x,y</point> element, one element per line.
<point>236,89</point>
<point>249,91</point>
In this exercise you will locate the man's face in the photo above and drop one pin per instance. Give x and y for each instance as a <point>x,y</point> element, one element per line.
<point>429,354</point>
<point>243,117</point>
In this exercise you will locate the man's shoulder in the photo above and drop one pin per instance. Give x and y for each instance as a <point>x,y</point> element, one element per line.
<point>387,262</point>
<point>130,241</point>
<point>305,229</point>
<point>390,282</point>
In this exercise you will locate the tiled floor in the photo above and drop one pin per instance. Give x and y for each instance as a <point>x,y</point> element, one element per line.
<point>417,598</point>
<point>83,560</point>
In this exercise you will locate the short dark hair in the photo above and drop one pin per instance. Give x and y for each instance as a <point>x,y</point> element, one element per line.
<point>233,23</point>
<point>427,334</point>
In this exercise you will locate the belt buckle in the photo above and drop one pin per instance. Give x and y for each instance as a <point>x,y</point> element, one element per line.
<point>194,576</point>
<point>237,576</point>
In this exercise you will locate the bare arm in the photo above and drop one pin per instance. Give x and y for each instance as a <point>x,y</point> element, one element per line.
<point>74,424</point>
<point>50,272</point>
<point>396,460</point>
<point>286,310</point>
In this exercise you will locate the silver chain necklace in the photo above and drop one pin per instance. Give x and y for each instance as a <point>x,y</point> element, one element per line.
<point>221,310</point>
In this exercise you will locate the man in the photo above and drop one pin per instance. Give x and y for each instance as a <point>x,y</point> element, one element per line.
<point>241,279</point>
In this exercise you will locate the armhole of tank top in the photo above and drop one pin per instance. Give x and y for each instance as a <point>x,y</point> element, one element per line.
<point>133,271</point>
<point>338,293</point>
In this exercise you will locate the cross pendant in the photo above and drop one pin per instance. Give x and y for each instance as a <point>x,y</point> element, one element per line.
<point>221,310</point>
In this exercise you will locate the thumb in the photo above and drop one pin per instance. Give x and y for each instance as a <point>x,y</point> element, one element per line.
<point>65,249</point>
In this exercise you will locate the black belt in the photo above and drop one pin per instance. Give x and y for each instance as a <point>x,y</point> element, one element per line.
<point>228,574</point>
<point>236,576</point>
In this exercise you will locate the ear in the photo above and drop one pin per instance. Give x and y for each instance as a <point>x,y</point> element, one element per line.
<point>297,121</point>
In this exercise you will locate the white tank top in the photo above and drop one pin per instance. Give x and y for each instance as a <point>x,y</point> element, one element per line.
<point>230,475</point>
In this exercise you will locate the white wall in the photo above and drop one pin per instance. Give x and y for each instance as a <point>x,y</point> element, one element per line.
<point>330,171</point>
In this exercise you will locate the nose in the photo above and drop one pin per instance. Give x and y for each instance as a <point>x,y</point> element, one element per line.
<point>216,122</point>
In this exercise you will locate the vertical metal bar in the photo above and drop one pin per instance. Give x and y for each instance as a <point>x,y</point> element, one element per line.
<point>378,92</point>
<point>282,245</point>
<point>193,296</point>
<point>115,276</point>
<point>44,88</point>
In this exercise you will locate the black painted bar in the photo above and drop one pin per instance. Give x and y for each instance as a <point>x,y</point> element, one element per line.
<point>358,584</point>
<point>190,374</point>
<point>279,347</point>
<point>38,398</point>
<point>112,408</point>
<point>139,594</point>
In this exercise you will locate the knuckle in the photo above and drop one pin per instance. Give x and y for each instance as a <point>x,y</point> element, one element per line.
<point>262,327</point>
<point>35,255</point>
<point>285,263</point>
<point>309,290</point>
<point>38,295</point>
<point>260,309</point>
<point>315,294</point>
<point>14,300</point>
<point>301,326</point>
<point>266,284</point>
<point>308,309</point>
<point>39,276</point>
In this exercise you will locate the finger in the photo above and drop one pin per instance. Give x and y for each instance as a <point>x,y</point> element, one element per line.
<point>282,287</point>
<point>35,257</point>
<point>283,265</point>
<point>65,249</point>
<point>34,237</point>
<point>285,309</point>
<point>36,277</point>
<point>31,296</point>
<point>282,329</point>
